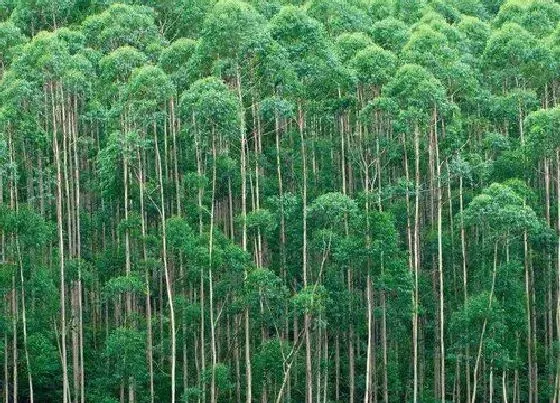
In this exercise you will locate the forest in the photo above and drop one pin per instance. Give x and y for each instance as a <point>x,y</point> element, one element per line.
<point>279,201</point>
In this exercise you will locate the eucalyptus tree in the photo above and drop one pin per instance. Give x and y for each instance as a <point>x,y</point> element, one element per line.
<point>172,20</point>
<point>23,238</point>
<point>318,71</point>
<point>59,80</point>
<point>542,144</point>
<point>390,33</point>
<point>348,43</point>
<point>380,9</point>
<point>373,67</point>
<point>420,96</point>
<point>120,25</point>
<point>174,60</point>
<point>34,16</point>
<point>214,110</point>
<point>475,35</point>
<point>513,56</point>
<point>502,215</point>
<point>11,38</point>
<point>339,16</point>
<point>116,69</point>
<point>229,31</point>
<point>266,294</point>
<point>148,91</point>
<point>331,237</point>
<point>409,11</point>
<point>539,17</point>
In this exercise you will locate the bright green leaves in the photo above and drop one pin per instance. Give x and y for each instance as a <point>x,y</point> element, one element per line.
<point>15,93</point>
<point>43,59</point>
<point>308,48</point>
<point>273,107</point>
<point>552,43</point>
<point>467,322</point>
<point>148,90</point>
<point>124,355</point>
<point>222,377</point>
<point>121,25</point>
<point>409,10</point>
<point>52,57</point>
<point>211,108</point>
<point>542,126</point>
<point>174,60</point>
<point>429,48</point>
<point>150,83</point>
<point>269,360</point>
<point>119,286</point>
<point>390,33</point>
<point>115,69</point>
<point>33,16</point>
<point>474,8</point>
<point>180,235</point>
<point>374,66</point>
<point>339,16</point>
<point>330,209</point>
<point>513,54</point>
<point>380,9</point>
<point>347,44</point>
<point>266,295</point>
<point>179,18</point>
<point>118,65</point>
<point>30,227</point>
<point>10,37</point>
<point>311,300</point>
<point>501,211</point>
<point>476,34</point>
<point>45,361</point>
<point>415,88</point>
<point>118,146</point>
<point>261,220</point>
<point>540,17</point>
<point>299,33</point>
<point>228,28</point>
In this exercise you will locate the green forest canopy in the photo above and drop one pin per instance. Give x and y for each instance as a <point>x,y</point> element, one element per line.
<point>279,200</point>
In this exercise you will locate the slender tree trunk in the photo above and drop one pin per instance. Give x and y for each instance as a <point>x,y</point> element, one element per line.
<point>149,331</point>
<point>74,128</point>
<point>368,392</point>
<point>440,262</point>
<point>480,344</point>
<point>24,323</point>
<point>416,259</point>
<point>337,366</point>
<point>243,164</point>
<point>464,265</point>
<point>198,152</point>
<point>282,218</point>
<point>308,363</point>
<point>528,307</point>
<point>56,151</point>
<point>168,285</point>
<point>384,340</point>
<point>370,340</point>
<point>557,387</point>
<point>213,394</point>
<point>14,339</point>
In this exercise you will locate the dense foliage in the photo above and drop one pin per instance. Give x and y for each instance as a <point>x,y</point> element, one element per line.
<point>280,200</point>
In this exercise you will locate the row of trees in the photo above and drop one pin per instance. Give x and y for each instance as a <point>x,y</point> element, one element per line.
<point>348,200</point>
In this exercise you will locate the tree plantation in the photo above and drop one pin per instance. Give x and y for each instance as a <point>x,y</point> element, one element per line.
<point>280,201</point>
